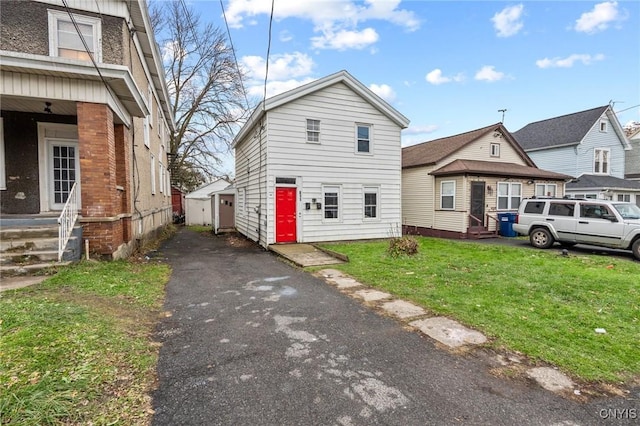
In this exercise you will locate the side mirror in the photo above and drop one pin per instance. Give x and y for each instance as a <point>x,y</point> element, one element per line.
<point>610,217</point>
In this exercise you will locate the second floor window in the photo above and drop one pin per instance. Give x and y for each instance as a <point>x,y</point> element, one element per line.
<point>495,150</point>
<point>363,135</point>
<point>601,161</point>
<point>313,130</point>
<point>65,40</point>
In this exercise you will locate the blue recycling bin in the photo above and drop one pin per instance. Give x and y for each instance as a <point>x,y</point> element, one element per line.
<point>506,224</point>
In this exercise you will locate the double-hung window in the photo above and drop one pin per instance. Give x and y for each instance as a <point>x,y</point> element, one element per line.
<point>509,195</point>
<point>363,139</point>
<point>331,195</point>
<point>494,150</point>
<point>546,190</point>
<point>601,161</point>
<point>448,195</point>
<point>66,41</point>
<point>153,174</point>
<point>371,202</point>
<point>313,131</point>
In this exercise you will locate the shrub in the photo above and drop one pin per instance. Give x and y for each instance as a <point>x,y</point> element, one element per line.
<point>407,246</point>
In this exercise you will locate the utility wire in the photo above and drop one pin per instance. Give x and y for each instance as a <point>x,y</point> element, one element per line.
<point>235,58</point>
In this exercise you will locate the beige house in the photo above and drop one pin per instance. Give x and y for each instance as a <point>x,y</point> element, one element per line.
<point>459,185</point>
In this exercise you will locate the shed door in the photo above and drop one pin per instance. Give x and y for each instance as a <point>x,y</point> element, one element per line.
<point>285,215</point>
<point>226,211</point>
<point>477,204</point>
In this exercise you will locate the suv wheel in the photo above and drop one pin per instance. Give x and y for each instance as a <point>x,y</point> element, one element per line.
<point>541,238</point>
<point>635,248</point>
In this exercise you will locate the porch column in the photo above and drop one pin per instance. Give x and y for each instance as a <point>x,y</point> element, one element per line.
<point>99,194</point>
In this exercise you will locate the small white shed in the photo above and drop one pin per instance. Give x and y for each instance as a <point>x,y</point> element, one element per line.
<point>223,207</point>
<point>198,203</point>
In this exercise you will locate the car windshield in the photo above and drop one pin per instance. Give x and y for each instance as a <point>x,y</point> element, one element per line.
<point>628,211</point>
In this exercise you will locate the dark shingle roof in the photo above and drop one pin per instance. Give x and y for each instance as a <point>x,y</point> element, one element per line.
<point>492,168</point>
<point>602,181</point>
<point>565,130</point>
<point>430,153</point>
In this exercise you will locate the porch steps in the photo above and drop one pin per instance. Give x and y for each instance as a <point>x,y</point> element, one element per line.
<point>31,247</point>
<point>482,234</point>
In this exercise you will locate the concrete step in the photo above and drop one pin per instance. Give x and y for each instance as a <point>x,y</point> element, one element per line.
<point>17,245</point>
<point>30,269</point>
<point>28,232</point>
<point>28,256</point>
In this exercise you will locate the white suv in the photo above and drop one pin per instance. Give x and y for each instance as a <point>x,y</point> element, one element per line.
<point>576,221</point>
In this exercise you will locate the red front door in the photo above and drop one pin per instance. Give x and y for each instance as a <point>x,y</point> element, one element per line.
<point>285,215</point>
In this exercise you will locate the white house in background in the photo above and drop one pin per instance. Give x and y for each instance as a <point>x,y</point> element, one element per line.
<point>198,203</point>
<point>321,162</point>
<point>632,159</point>
<point>589,145</point>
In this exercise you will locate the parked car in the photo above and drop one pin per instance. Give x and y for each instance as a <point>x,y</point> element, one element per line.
<point>580,221</point>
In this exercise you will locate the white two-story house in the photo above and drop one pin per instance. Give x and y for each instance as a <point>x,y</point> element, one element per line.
<point>588,145</point>
<point>321,162</point>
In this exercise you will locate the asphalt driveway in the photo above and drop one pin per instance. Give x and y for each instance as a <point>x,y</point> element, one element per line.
<point>250,340</point>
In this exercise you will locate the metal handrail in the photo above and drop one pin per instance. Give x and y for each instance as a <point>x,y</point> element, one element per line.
<point>67,220</point>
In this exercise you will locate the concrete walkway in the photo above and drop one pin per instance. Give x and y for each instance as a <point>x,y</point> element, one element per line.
<point>250,340</point>
<point>304,255</point>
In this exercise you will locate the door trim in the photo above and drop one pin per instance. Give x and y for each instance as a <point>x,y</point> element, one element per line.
<point>47,133</point>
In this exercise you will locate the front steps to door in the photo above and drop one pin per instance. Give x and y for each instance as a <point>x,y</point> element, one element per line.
<point>29,246</point>
<point>480,232</point>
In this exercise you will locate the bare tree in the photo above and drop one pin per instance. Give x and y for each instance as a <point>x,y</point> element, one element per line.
<point>205,85</point>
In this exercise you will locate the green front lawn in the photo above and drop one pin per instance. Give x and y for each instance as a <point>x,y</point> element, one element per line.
<point>77,348</point>
<point>537,302</point>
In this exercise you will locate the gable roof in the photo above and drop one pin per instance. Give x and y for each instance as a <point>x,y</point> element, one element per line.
<point>205,191</point>
<point>432,152</point>
<point>602,181</point>
<point>492,168</point>
<point>565,130</point>
<point>304,90</point>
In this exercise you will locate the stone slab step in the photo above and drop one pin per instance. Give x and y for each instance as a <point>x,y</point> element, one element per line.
<point>16,270</point>
<point>18,245</point>
<point>28,232</point>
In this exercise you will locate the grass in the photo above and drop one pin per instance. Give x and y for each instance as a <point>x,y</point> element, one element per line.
<point>76,349</point>
<point>200,228</point>
<point>535,302</point>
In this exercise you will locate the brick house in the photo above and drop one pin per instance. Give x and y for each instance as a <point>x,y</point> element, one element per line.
<point>84,101</point>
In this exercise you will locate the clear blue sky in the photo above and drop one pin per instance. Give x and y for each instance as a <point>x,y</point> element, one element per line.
<point>449,66</point>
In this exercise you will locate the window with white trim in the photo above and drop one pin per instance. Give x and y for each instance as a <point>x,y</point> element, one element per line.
<point>331,206</point>
<point>64,40</point>
<point>146,131</point>
<point>494,150</point>
<point>150,103</point>
<point>313,130</point>
<point>161,171</point>
<point>448,195</point>
<point>509,195</point>
<point>153,174</point>
<point>546,189</point>
<point>601,161</point>
<point>603,126</point>
<point>159,117</point>
<point>624,197</point>
<point>363,139</point>
<point>370,202</point>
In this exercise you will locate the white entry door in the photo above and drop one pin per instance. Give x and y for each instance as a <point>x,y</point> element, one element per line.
<point>63,170</point>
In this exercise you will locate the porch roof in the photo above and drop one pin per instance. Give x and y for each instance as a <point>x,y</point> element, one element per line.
<point>492,168</point>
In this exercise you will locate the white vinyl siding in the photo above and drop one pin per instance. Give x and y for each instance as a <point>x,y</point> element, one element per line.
<point>64,40</point>
<point>418,195</point>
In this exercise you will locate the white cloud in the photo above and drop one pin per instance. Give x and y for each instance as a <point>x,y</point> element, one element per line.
<point>336,22</point>
<point>508,21</point>
<point>488,73</point>
<point>344,39</point>
<point>285,36</point>
<point>384,91</point>
<point>276,87</point>
<point>599,18</point>
<point>436,77</point>
<point>281,67</point>
<point>421,130</point>
<point>568,61</point>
